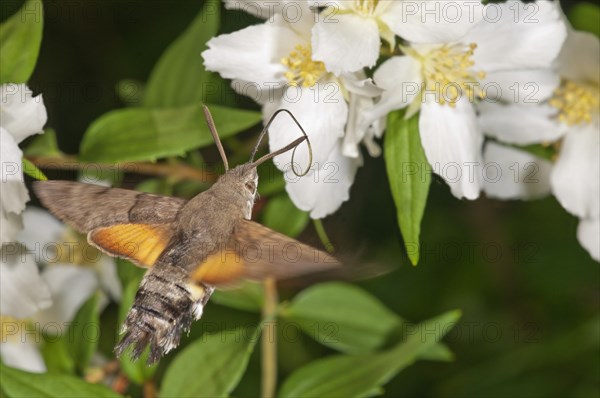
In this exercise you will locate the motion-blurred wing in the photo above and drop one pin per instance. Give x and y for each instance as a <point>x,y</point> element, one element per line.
<point>87,206</point>
<point>256,252</point>
<point>134,225</point>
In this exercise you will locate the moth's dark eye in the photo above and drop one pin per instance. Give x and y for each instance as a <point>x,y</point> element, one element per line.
<point>251,186</point>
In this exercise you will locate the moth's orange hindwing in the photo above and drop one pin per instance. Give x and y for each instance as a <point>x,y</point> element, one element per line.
<point>220,268</point>
<point>140,243</point>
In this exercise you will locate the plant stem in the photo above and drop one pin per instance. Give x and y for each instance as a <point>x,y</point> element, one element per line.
<point>323,235</point>
<point>120,384</point>
<point>269,340</point>
<point>179,170</point>
<point>149,389</point>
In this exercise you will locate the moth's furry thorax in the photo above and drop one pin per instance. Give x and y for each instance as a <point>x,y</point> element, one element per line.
<point>239,186</point>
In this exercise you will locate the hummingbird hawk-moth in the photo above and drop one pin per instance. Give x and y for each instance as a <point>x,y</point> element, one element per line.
<point>188,246</point>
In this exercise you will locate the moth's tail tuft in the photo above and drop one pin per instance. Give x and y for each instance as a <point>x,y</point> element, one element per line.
<point>162,310</point>
<point>145,327</point>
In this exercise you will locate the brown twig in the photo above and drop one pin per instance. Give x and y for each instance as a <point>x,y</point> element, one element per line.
<point>269,340</point>
<point>150,389</point>
<point>120,383</point>
<point>179,170</point>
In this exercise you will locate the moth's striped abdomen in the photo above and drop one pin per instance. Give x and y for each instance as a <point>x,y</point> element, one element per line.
<point>164,307</point>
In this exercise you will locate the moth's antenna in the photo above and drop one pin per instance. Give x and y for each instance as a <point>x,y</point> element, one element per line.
<point>213,131</point>
<point>286,148</point>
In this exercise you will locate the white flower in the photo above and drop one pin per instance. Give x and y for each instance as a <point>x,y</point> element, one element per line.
<point>273,63</point>
<point>347,34</point>
<point>21,115</point>
<point>32,302</point>
<point>570,112</point>
<point>67,286</point>
<point>22,290</point>
<point>443,73</point>
<point>346,37</point>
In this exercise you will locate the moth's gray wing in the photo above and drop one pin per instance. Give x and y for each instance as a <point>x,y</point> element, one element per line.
<point>86,206</point>
<point>266,253</point>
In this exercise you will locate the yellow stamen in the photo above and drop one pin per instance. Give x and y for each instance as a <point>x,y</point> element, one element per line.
<point>302,70</point>
<point>448,72</point>
<point>576,102</point>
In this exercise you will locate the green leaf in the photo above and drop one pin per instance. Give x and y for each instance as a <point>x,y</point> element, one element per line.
<point>542,151</point>
<point>211,366</point>
<point>17,383</point>
<point>84,333</point>
<point>43,145</point>
<point>439,352</point>
<point>32,171</point>
<point>137,371</point>
<point>55,352</point>
<point>20,39</point>
<point>585,16</point>
<point>270,180</point>
<point>343,317</point>
<point>128,272</point>
<point>248,297</point>
<point>364,375</point>
<point>179,77</point>
<point>158,186</point>
<point>282,215</point>
<point>409,175</point>
<point>148,134</point>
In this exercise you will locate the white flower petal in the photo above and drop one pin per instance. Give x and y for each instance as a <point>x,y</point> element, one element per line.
<point>452,143</point>
<point>348,45</point>
<point>396,73</point>
<point>21,113</point>
<point>521,86</point>
<point>356,128</point>
<point>321,110</point>
<point>258,93</point>
<point>434,21</point>
<point>358,83</point>
<point>23,354</point>
<point>252,54</point>
<point>588,234</point>
<point>22,290</point>
<point>323,191</point>
<point>40,228</point>
<point>10,226</point>
<point>579,58</point>
<point>70,287</point>
<point>13,193</point>
<point>576,176</point>
<point>400,78</point>
<point>299,17</point>
<point>520,124</point>
<point>523,36</point>
<point>511,173</point>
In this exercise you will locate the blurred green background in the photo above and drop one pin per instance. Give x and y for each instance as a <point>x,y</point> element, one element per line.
<point>529,293</point>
